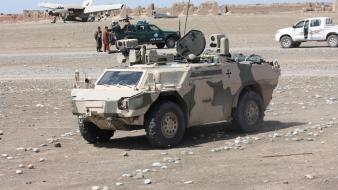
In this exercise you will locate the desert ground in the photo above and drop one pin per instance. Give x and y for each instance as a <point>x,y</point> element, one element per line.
<point>296,149</point>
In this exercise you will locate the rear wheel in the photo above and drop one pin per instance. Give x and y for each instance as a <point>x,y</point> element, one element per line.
<point>170,42</point>
<point>332,40</point>
<point>249,113</point>
<point>286,42</point>
<point>165,124</point>
<point>160,46</point>
<point>92,134</point>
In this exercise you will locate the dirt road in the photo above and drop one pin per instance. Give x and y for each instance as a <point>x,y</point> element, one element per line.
<point>37,61</point>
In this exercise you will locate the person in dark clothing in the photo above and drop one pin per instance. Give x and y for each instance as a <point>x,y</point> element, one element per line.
<point>106,39</point>
<point>306,30</point>
<point>98,38</point>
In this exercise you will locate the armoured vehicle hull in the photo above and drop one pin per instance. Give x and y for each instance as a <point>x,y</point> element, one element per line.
<point>167,98</point>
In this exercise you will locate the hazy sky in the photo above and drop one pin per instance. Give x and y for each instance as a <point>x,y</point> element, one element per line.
<point>15,6</point>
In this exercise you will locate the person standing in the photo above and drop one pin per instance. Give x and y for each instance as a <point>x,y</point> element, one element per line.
<point>98,38</point>
<point>106,39</point>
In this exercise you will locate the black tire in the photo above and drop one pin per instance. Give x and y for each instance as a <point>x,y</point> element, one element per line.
<point>296,44</point>
<point>165,125</point>
<point>92,134</point>
<point>332,40</point>
<point>286,42</point>
<point>160,46</point>
<point>249,113</point>
<point>170,42</point>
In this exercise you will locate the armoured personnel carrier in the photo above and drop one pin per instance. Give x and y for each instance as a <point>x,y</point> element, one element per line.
<point>167,93</point>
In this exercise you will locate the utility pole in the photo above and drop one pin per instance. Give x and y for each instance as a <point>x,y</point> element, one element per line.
<point>186,17</point>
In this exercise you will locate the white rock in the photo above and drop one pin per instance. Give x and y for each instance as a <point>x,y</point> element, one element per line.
<point>138,171</point>
<point>41,159</point>
<point>1,132</point>
<point>188,182</point>
<point>125,154</point>
<point>39,106</point>
<point>43,145</point>
<point>19,172</point>
<point>30,166</point>
<point>21,149</point>
<point>226,148</point>
<point>4,155</point>
<point>126,175</point>
<point>138,176</point>
<point>10,158</point>
<point>168,159</point>
<point>21,166</point>
<point>164,167</point>
<point>95,188</point>
<point>36,150</point>
<point>177,162</point>
<point>164,153</point>
<point>145,170</point>
<point>147,181</point>
<point>118,183</point>
<point>105,188</point>
<point>309,176</point>
<point>156,164</point>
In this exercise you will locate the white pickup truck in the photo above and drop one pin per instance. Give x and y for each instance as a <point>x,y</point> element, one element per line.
<point>311,29</point>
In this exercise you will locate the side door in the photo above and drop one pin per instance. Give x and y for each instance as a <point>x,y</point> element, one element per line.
<point>316,30</point>
<point>155,34</point>
<point>211,95</point>
<point>299,31</point>
<point>142,33</point>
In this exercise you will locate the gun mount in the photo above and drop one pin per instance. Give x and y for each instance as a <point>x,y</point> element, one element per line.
<point>190,48</point>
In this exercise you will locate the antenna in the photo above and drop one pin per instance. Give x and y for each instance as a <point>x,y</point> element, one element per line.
<point>186,18</point>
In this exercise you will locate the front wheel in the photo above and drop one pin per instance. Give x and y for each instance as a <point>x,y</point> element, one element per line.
<point>332,40</point>
<point>249,113</point>
<point>170,42</point>
<point>165,124</point>
<point>286,42</point>
<point>92,134</point>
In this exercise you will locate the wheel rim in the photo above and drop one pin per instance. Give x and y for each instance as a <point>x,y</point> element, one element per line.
<point>333,42</point>
<point>169,125</point>
<point>286,42</point>
<point>171,43</point>
<point>251,113</point>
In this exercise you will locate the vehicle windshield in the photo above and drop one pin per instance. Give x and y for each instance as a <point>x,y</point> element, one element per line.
<point>300,24</point>
<point>124,78</point>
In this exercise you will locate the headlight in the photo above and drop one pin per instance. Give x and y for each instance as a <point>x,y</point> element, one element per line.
<point>123,104</point>
<point>136,102</point>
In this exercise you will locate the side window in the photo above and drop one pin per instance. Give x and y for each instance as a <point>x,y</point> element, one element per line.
<point>153,28</point>
<point>329,21</point>
<point>300,24</point>
<point>141,28</point>
<point>315,23</point>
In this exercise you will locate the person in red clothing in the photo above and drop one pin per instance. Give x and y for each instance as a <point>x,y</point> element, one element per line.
<point>105,39</point>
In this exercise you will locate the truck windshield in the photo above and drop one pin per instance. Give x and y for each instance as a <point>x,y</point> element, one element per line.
<point>128,78</point>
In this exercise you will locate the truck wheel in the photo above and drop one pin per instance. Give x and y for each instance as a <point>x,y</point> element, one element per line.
<point>92,134</point>
<point>332,41</point>
<point>248,116</point>
<point>165,125</point>
<point>296,44</point>
<point>160,46</point>
<point>286,42</point>
<point>170,42</point>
